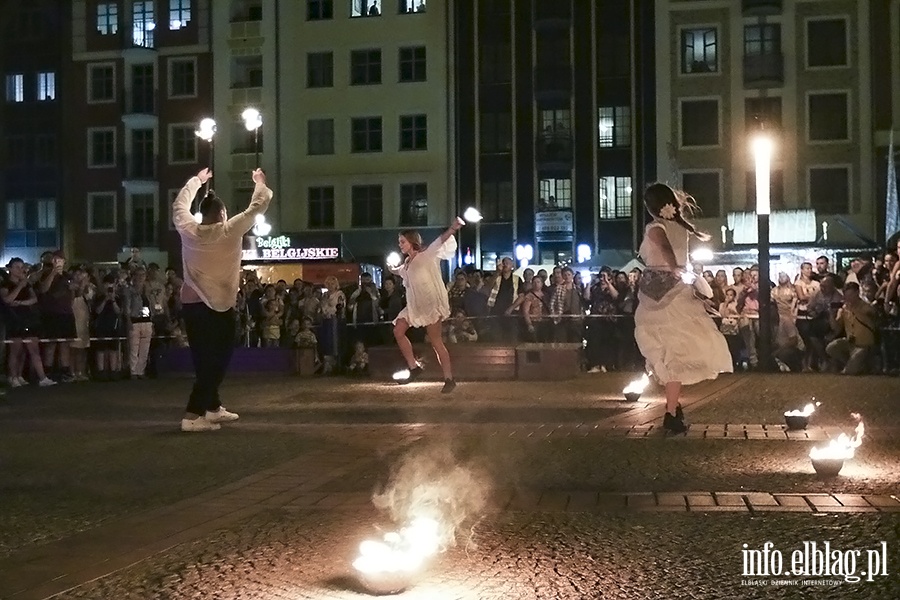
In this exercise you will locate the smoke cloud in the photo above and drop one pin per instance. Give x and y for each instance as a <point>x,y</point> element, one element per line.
<point>433,482</point>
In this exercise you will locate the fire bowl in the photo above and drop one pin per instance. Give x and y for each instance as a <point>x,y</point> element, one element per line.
<point>632,396</point>
<point>827,467</point>
<point>384,583</point>
<point>796,422</point>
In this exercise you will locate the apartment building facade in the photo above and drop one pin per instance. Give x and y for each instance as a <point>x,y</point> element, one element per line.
<point>554,126</point>
<point>32,175</point>
<point>802,72</point>
<point>138,82</point>
<point>356,101</point>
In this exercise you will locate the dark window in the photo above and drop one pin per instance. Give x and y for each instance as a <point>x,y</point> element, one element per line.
<point>246,72</point>
<point>826,43</point>
<point>321,207</point>
<point>143,159</point>
<point>367,209</point>
<point>102,212</point>
<point>412,64</point>
<point>762,40</point>
<point>319,10</point>
<point>699,51</point>
<point>183,78</point>
<point>184,145</point>
<point>496,132</point>
<point>776,190</point>
<point>320,136</point>
<point>143,220</point>
<point>365,134</point>
<point>414,132</point>
<point>16,151</point>
<point>763,113</point>
<point>103,148</point>
<point>496,201</point>
<point>828,117</point>
<point>700,123</point>
<point>613,56</point>
<point>704,187</point>
<point>365,67</point>
<point>495,63</point>
<point>319,69</point>
<point>103,80</point>
<point>45,149</point>
<point>414,204</point>
<point>829,190</point>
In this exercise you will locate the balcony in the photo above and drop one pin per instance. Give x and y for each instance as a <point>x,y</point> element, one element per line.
<point>553,152</point>
<point>553,81</point>
<point>761,8</point>
<point>764,71</point>
<point>139,108</point>
<point>139,168</point>
<point>553,14</point>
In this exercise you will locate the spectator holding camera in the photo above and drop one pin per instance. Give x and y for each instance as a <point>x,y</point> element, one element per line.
<point>55,299</point>
<point>823,307</point>
<point>22,322</point>
<point>856,322</point>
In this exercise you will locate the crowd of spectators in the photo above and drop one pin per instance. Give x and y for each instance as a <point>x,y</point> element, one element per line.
<point>67,323</point>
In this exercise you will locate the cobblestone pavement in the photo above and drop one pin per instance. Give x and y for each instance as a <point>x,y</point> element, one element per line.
<point>586,497</point>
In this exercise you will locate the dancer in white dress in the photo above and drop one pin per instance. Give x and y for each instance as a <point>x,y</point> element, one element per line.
<point>676,336</point>
<point>427,302</point>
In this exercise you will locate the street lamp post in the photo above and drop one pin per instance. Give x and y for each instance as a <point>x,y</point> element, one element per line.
<point>253,121</point>
<point>762,154</point>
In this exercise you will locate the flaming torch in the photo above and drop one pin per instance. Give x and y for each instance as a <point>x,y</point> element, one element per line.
<point>471,215</point>
<point>391,565</point>
<point>634,389</point>
<point>799,419</point>
<point>829,461</point>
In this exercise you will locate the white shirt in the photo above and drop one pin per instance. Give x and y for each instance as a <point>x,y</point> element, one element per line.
<point>211,254</point>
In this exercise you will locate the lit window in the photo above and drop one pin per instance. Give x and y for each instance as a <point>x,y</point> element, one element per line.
<point>179,13</point>
<point>614,126</point>
<point>15,88</point>
<point>412,6</point>
<point>414,204</point>
<point>108,18</point>
<point>365,8</point>
<point>46,86</point>
<point>15,214</point>
<point>615,197</point>
<point>46,214</point>
<point>142,24</point>
<point>555,193</point>
<point>699,51</point>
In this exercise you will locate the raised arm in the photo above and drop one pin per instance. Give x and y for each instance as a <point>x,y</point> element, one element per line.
<point>181,206</point>
<point>259,203</point>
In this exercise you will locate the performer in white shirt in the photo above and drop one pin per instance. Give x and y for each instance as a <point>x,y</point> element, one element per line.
<point>211,256</point>
<point>427,303</point>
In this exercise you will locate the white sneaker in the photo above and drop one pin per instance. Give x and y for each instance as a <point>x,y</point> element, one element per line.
<point>221,415</point>
<point>198,424</point>
<point>594,370</point>
<point>46,382</point>
<point>15,382</point>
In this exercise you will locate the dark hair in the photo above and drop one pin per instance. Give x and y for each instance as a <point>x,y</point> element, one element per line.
<point>658,195</point>
<point>851,285</point>
<point>414,238</point>
<point>14,260</point>
<point>211,205</point>
<point>823,257</point>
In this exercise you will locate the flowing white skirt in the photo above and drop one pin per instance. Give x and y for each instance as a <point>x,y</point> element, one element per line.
<point>677,338</point>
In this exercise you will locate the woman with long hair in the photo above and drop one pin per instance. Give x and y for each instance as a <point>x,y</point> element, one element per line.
<point>427,303</point>
<point>22,323</point>
<point>679,341</point>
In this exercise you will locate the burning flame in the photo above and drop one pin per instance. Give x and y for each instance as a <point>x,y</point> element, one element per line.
<point>637,386</point>
<point>843,447</point>
<point>807,410</point>
<point>401,552</point>
<point>472,215</point>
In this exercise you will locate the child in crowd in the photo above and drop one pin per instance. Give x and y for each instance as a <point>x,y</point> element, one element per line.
<point>461,329</point>
<point>730,327</point>
<point>359,362</point>
<point>306,337</point>
<point>271,333</point>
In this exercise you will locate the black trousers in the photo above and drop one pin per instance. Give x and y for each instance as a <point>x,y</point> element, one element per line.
<point>211,336</point>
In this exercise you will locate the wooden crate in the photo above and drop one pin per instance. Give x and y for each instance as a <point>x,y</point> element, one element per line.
<point>548,362</point>
<point>471,362</point>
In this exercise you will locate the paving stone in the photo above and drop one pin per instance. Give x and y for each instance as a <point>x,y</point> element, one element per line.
<point>761,499</point>
<point>851,500</point>
<point>670,499</point>
<point>822,500</point>
<point>791,500</point>
<point>882,501</point>
<point>642,500</point>
<point>582,502</point>
<point>554,500</point>
<point>700,500</point>
<point>725,499</point>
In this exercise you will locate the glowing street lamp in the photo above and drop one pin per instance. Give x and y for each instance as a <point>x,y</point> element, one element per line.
<point>762,147</point>
<point>253,121</point>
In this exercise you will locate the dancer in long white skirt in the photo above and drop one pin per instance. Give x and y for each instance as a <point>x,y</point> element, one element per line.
<point>427,303</point>
<point>676,336</point>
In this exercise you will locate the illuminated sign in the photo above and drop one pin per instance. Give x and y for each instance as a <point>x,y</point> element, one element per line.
<point>281,247</point>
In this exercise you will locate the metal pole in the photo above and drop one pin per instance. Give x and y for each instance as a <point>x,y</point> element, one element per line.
<point>766,359</point>
<point>256,145</point>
